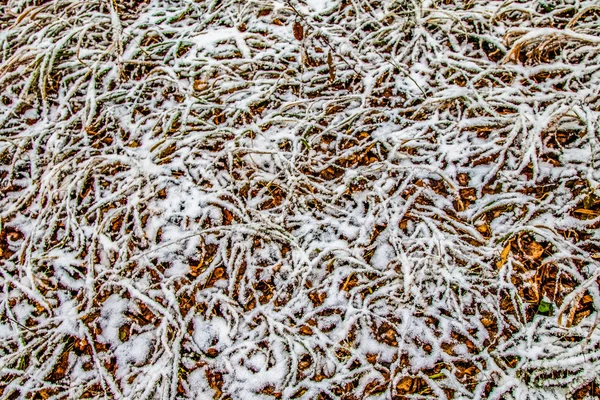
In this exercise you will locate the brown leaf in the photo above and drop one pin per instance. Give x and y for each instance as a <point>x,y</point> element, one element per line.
<point>196,267</point>
<point>264,12</point>
<point>81,346</point>
<point>463,179</point>
<point>389,337</point>
<point>271,391</point>
<point>304,362</point>
<point>215,381</point>
<point>468,194</point>
<point>200,85</point>
<point>298,31</point>
<point>59,371</point>
<point>331,66</point>
<point>530,247</point>
<point>535,250</point>
<point>227,217</point>
<point>306,330</point>
<point>404,385</point>
<point>219,272</point>
<point>212,352</point>
<point>317,298</point>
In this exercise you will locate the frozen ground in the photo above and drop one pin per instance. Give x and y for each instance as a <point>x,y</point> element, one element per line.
<point>275,199</point>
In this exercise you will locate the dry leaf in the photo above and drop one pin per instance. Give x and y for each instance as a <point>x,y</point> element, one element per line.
<point>298,31</point>
<point>212,352</point>
<point>200,85</point>
<point>504,255</point>
<point>535,250</point>
<point>306,330</point>
<point>331,67</point>
<point>404,385</point>
<point>530,247</point>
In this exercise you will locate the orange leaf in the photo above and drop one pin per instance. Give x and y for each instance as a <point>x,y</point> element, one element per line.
<point>306,330</point>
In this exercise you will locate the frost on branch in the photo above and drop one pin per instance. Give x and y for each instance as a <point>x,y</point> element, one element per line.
<point>287,199</point>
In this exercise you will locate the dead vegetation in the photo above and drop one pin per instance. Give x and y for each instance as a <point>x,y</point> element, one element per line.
<point>244,199</point>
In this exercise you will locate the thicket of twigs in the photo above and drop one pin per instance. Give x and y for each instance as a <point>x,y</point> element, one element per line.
<point>262,199</point>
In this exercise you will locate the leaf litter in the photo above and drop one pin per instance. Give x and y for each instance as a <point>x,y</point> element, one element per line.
<point>286,199</point>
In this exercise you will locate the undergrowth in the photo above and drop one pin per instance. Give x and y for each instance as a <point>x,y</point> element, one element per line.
<point>268,199</point>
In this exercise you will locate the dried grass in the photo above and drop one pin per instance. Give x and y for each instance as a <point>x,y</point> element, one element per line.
<point>386,199</point>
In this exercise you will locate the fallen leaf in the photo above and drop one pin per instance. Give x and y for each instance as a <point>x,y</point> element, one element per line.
<point>200,85</point>
<point>404,386</point>
<point>298,31</point>
<point>533,249</point>
<point>504,255</point>
<point>306,330</point>
<point>331,66</point>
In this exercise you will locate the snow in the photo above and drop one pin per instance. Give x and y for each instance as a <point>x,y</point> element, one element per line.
<point>136,350</point>
<point>204,334</point>
<point>319,6</point>
<point>112,318</point>
<point>195,202</point>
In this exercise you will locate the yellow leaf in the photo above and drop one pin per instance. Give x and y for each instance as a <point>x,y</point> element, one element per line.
<point>504,255</point>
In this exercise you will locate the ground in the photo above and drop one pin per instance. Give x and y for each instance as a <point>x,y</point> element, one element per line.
<point>284,199</point>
